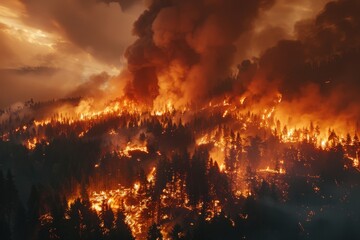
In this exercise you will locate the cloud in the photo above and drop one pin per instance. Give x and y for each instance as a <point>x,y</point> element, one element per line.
<point>39,83</point>
<point>275,25</point>
<point>78,39</point>
<point>101,29</point>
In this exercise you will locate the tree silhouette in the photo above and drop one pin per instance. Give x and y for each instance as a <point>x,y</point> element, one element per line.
<point>253,152</point>
<point>10,196</point>
<point>177,232</point>
<point>121,230</point>
<point>33,212</point>
<point>154,232</point>
<point>5,232</point>
<point>107,216</point>
<point>20,224</point>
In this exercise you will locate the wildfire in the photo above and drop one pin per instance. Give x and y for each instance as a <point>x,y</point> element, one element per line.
<point>133,147</point>
<point>272,171</point>
<point>42,123</point>
<point>162,109</point>
<point>323,143</point>
<point>31,143</point>
<point>242,100</point>
<point>355,160</point>
<point>151,175</point>
<point>181,140</point>
<point>136,186</point>
<point>122,198</point>
<point>225,113</point>
<point>228,145</point>
<point>133,203</point>
<point>222,167</point>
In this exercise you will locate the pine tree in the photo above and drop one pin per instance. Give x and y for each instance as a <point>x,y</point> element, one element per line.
<point>2,194</point>
<point>11,196</point>
<point>33,212</point>
<point>107,217</point>
<point>5,232</point>
<point>154,233</point>
<point>20,224</point>
<point>121,230</point>
<point>254,152</point>
<point>75,220</point>
<point>177,232</point>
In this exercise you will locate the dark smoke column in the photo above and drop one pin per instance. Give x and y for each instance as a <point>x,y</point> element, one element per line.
<point>185,46</point>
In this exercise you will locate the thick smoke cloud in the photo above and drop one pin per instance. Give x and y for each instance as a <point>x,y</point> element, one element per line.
<point>335,30</point>
<point>274,25</point>
<point>185,51</point>
<point>318,73</point>
<point>185,47</point>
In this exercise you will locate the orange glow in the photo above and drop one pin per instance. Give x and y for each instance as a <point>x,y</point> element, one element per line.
<point>222,167</point>
<point>323,143</point>
<point>133,147</point>
<point>273,171</point>
<point>31,143</point>
<point>151,175</point>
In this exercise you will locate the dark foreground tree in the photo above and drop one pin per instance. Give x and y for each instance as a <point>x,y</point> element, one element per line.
<point>154,233</point>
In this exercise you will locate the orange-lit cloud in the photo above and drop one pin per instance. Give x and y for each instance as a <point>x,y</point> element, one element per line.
<point>50,48</point>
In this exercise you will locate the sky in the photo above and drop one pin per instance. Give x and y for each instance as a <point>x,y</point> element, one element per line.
<point>50,48</point>
<point>60,48</point>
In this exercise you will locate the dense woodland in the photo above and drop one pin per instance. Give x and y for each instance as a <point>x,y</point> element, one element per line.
<point>46,188</point>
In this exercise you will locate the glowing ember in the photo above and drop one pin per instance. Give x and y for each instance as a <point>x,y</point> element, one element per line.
<point>150,176</point>
<point>272,171</point>
<point>31,143</point>
<point>130,148</point>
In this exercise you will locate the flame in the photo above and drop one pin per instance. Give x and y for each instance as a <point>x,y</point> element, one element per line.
<point>136,186</point>
<point>31,143</point>
<point>120,199</point>
<point>323,143</point>
<point>222,167</point>
<point>225,113</point>
<point>273,171</point>
<point>42,123</point>
<point>151,175</point>
<point>219,140</point>
<point>133,147</point>
<point>355,160</point>
<point>242,100</point>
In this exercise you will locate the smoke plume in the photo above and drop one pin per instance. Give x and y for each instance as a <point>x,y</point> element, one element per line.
<point>185,47</point>
<point>317,73</point>
<point>185,50</point>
